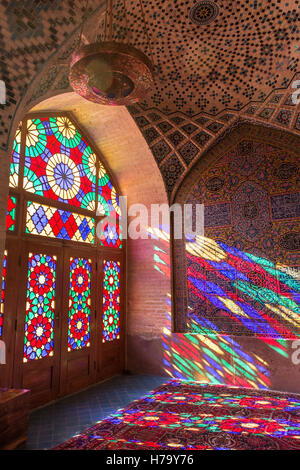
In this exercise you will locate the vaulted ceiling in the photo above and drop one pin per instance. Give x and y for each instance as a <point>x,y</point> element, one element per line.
<point>215,61</point>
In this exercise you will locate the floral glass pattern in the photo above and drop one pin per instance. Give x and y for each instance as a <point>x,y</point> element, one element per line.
<point>11,213</point>
<point>3,291</point>
<point>40,307</point>
<point>79,304</point>
<point>111,301</point>
<point>59,164</point>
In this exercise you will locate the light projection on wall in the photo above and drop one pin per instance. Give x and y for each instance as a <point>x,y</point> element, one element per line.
<point>79,303</point>
<point>218,358</point>
<point>238,288</point>
<point>40,307</point>
<point>11,213</point>
<point>111,301</point>
<point>52,222</point>
<point>3,285</point>
<point>242,276</point>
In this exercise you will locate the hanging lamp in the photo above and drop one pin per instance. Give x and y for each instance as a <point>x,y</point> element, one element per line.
<point>109,72</point>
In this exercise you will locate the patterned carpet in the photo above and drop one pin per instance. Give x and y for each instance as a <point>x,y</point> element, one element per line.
<point>192,416</point>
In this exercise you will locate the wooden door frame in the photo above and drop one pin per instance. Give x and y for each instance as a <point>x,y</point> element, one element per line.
<point>90,351</point>
<point>109,350</point>
<point>14,319</point>
<point>18,367</point>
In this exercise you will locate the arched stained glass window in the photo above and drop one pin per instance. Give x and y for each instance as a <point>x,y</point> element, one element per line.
<point>64,288</point>
<point>58,164</point>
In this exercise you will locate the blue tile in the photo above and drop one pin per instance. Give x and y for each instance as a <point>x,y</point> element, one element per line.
<point>56,423</point>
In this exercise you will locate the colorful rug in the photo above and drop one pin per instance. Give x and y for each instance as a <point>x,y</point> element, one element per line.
<point>193,416</point>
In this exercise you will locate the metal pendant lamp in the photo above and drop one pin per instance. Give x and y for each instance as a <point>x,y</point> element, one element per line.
<point>109,72</point>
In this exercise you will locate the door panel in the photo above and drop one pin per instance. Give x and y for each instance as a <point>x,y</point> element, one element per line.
<point>38,337</point>
<point>78,319</point>
<point>9,308</point>
<point>59,299</point>
<point>111,321</point>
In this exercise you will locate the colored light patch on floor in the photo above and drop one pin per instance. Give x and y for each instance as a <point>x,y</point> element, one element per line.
<point>193,416</point>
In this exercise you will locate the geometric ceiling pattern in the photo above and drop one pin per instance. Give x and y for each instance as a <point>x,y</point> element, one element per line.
<point>211,55</point>
<point>177,141</point>
<point>216,62</point>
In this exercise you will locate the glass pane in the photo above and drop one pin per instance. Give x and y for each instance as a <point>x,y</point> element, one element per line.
<point>40,307</point>
<point>59,164</point>
<point>79,303</point>
<point>52,222</point>
<point>3,291</point>
<point>11,213</point>
<point>111,301</point>
<point>108,204</point>
<point>15,160</point>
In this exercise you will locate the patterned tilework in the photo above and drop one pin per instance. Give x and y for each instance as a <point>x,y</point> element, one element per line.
<point>251,238</point>
<point>55,423</point>
<point>179,48</point>
<point>32,31</point>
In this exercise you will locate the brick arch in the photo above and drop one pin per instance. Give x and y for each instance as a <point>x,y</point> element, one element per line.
<point>126,154</point>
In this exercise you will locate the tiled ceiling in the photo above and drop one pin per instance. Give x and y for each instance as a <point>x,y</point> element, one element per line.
<point>214,55</point>
<point>209,57</point>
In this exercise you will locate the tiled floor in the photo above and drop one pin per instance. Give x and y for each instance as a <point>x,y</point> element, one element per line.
<point>59,421</point>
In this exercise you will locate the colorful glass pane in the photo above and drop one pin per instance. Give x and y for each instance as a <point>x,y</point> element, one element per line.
<point>3,291</point>
<point>59,164</point>
<point>15,160</point>
<point>108,205</point>
<point>11,213</point>
<point>111,301</point>
<point>52,222</point>
<point>40,307</point>
<point>79,303</point>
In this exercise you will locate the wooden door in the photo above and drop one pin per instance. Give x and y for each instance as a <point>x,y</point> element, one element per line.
<point>53,288</point>
<point>38,330</point>
<point>9,301</point>
<point>78,361</point>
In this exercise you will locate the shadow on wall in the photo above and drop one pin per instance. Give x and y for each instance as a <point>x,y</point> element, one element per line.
<point>260,361</point>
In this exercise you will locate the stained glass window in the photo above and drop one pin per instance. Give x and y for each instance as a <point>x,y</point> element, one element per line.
<point>111,301</point>
<point>108,205</point>
<point>15,160</point>
<point>40,306</point>
<point>11,213</point>
<point>79,303</point>
<point>52,222</point>
<point>59,164</point>
<point>3,291</point>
